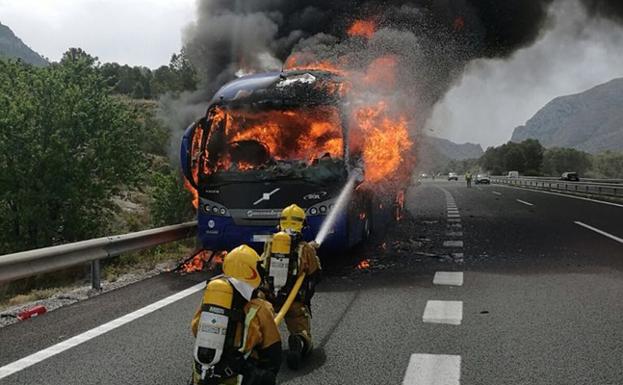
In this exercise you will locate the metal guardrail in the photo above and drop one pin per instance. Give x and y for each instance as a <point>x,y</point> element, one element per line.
<point>584,187</point>
<point>32,262</point>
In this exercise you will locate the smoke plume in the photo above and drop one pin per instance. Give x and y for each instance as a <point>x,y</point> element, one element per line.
<point>431,40</point>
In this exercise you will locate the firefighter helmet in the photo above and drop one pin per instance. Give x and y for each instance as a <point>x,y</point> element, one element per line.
<point>292,218</point>
<point>241,263</point>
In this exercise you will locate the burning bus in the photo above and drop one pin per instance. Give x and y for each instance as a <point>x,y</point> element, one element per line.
<point>269,140</point>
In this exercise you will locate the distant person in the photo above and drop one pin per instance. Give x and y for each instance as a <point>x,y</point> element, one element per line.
<point>468,179</point>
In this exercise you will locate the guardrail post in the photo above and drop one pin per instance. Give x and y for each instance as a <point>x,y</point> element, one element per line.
<point>95,275</point>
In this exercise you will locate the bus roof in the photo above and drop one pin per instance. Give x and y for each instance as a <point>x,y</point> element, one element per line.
<point>281,88</point>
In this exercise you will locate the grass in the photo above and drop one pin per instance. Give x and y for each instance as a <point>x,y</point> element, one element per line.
<point>45,285</point>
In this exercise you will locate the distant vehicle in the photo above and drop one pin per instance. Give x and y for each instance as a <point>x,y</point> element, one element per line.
<point>424,176</point>
<point>513,174</point>
<point>482,179</point>
<point>453,176</point>
<point>571,176</point>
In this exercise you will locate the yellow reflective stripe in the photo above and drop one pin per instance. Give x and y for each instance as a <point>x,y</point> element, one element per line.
<point>247,321</point>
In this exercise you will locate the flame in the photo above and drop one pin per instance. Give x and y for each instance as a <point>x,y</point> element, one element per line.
<point>363,264</point>
<point>384,140</point>
<point>363,28</point>
<point>306,61</point>
<point>201,258</point>
<point>193,191</point>
<point>302,134</point>
<point>197,262</point>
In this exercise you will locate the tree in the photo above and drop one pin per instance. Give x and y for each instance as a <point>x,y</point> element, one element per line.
<point>609,164</point>
<point>66,146</point>
<point>558,160</point>
<point>170,203</point>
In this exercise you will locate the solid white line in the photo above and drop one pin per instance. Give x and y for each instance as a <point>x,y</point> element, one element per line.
<point>605,234</point>
<point>496,192</point>
<point>452,243</point>
<point>443,312</point>
<point>433,369</point>
<point>566,196</point>
<point>451,278</point>
<point>44,354</point>
<point>524,202</point>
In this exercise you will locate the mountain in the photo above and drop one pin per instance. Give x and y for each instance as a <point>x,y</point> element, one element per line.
<point>12,47</point>
<point>590,121</point>
<point>453,150</point>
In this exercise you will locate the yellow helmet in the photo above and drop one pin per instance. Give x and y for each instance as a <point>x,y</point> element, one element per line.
<point>292,218</point>
<point>241,263</point>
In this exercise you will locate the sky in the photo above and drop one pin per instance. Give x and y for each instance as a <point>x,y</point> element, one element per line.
<point>495,96</point>
<point>135,32</point>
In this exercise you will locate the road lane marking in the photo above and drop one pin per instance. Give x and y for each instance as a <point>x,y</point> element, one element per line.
<point>455,225</point>
<point>566,196</point>
<point>72,342</point>
<point>605,234</point>
<point>433,369</point>
<point>458,257</point>
<point>454,233</point>
<point>454,215</point>
<point>450,278</point>
<point>524,202</point>
<point>452,243</point>
<point>456,220</point>
<point>443,312</point>
<point>496,192</point>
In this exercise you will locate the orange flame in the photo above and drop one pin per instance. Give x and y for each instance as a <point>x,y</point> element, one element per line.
<point>363,28</point>
<point>200,260</point>
<point>384,140</point>
<point>363,264</point>
<point>197,262</point>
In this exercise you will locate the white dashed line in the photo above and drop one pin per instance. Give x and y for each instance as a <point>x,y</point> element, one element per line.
<point>565,195</point>
<point>454,215</point>
<point>455,225</point>
<point>44,354</point>
<point>452,243</point>
<point>524,202</point>
<point>455,220</point>
<point>454,233</point>
<point>458,257</point>
<point>496,192</point>
<point>451,278</point>
<point>443,312</point>
<point>605,234</point>
<point>433,369</point>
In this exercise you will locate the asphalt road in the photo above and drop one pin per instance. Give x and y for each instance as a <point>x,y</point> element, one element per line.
<point>540,303</point>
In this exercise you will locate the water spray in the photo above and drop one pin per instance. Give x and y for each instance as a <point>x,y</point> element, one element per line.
<point>340,204</point>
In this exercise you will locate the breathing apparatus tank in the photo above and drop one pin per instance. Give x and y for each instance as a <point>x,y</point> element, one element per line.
<point>283,260</point>
<point>215,325</point>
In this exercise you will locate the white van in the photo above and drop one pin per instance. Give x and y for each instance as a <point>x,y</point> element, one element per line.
<point>513,174</point>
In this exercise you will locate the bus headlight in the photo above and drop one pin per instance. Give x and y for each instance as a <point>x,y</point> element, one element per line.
<point>323,209</point>
<point>215,210</point>
<point>313,211</point>
<point>206,208</point>
<point>222,211</point>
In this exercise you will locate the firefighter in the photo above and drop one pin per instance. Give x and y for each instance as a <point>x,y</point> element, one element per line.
<point>285,256</point>
<point>235,331</point>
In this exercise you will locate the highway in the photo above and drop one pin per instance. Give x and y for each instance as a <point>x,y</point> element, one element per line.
<point>534,297</point>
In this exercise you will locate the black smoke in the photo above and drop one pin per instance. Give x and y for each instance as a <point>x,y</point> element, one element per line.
<point>434,39</point>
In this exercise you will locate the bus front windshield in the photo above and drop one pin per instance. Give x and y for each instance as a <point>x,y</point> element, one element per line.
<point>271,140</point>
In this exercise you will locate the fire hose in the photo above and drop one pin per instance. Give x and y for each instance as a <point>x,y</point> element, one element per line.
<point>286,305</point>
